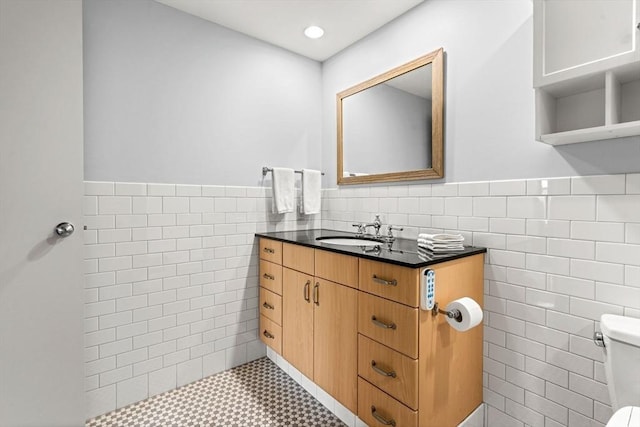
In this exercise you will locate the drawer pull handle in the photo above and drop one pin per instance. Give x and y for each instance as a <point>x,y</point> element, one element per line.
<point>269,250</point>
<point>316,293</point>
<point>382,324</point>
<point>392,282</point>
<point>305,291</point>
<point>381,371</point>
<point>268,276</point>
<point>382,420</point>
<point>268,334</point>
<point>268,306</point>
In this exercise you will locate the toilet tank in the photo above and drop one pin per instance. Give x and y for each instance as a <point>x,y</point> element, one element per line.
<point>622,359</point>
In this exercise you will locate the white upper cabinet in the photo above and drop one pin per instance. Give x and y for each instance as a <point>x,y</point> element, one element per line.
<point>586,69</point>
<point>578,37</point>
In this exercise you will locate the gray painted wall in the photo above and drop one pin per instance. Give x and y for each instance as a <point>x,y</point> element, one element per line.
<point>386,129</point>
<point>489,100</point>
<point>173,98</point>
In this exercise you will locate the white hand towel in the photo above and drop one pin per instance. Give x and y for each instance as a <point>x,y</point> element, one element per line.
<point>311,180</point>
<point>283,190</point>
<point>441,248</point>
<point>441,237</point>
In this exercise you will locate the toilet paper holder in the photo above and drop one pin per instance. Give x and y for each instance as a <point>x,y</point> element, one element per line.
<point>452,314</point>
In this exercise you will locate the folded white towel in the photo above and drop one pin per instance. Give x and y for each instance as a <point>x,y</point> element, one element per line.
<point>439,245</point>
<point>424,242</point>
<point>429,255</point>
<point>283,190</point>
<point>442,248</point>
<point>441,237</point>
<point>311,181</point>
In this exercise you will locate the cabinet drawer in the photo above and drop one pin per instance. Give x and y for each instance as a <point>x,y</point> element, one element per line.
<point>392,372</point>
<point>271,305</point>
<point>338,268</point>
<point>392,324</point>
<point>271,334</point>
<point>271,276</point>
<point>377,408</point>
<point>401,284</point>
<point>299,258</point>
<point>271,250</point>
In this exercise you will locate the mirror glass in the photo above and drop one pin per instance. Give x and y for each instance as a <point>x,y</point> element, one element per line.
<point>390,127</point>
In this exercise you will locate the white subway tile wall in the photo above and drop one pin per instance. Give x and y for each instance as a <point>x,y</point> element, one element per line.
<point>562,251</point>
<point>171,284</point>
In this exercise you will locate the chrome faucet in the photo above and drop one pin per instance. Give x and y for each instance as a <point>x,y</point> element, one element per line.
<point>362,228</point>
<point>376,224</point>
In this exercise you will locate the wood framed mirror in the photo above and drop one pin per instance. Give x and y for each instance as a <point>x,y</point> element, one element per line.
<point>390,127</point>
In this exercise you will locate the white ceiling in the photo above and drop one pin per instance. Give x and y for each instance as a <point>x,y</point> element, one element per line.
<point>282,22</point>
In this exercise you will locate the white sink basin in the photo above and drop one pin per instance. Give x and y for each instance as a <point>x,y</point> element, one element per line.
<point>349,241</point>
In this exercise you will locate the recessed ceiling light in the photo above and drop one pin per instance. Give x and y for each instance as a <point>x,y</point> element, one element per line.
<point>313,32</point>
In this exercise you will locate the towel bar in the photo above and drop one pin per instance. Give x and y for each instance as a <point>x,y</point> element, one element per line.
<point>266,169</point>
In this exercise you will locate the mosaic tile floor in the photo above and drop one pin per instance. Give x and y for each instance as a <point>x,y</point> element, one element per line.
<point>255,394</point>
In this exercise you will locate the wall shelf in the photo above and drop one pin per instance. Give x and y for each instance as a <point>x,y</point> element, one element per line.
<point>597,133</point>
<point>587,87</point>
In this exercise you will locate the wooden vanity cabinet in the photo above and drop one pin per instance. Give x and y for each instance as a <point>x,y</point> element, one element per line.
<point>271,293</point>
<point>389,370</point>
<point>354,327</point>
<point>297,315</point>
<point>335,359</point>
<point>319,320</point>
<point>389,281</point>
<point>428,374</point>
<point>450,362</point>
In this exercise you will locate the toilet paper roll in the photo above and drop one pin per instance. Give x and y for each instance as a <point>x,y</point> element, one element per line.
<point>470,311</point>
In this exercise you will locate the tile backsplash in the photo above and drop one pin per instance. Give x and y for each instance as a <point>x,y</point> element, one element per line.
<point>561,252</point>
<point>171,281</point>
<point>171,284</point>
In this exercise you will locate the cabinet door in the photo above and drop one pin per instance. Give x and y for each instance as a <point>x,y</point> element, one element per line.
<point>574,38</point>
<point>335,341</point>
<point>297,320</point>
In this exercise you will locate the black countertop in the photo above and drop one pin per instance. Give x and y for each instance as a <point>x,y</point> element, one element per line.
<point>402,252</point>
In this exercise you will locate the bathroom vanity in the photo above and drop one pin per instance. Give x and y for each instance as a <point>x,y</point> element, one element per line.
<point>349,318</point>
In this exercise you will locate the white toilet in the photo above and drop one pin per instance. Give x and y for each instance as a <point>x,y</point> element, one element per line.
<point>621,337</point>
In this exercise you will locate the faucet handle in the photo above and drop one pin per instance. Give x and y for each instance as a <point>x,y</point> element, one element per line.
<point>390,229</point>
<point>361,228</point>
